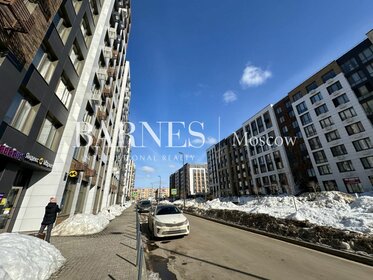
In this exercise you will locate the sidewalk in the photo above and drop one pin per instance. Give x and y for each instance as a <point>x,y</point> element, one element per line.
<point>110,254</point>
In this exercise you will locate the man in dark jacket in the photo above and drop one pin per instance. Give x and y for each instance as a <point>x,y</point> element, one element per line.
<point>50,215</point>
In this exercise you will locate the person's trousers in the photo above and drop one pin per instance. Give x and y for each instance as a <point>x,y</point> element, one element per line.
<point>49,231</point>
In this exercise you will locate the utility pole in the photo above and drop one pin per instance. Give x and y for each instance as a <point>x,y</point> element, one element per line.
<point>159,190</point>
<point>184,178</point>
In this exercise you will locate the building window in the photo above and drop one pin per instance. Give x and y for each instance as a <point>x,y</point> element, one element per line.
<point>45,63</point>
<point>326,122</point>
<point>278,160</point>
<point>294,124</point>
<point>297,96</point>
<point>353,185</point>
<point>324,169</point>
<point>84,27</point>
<point>354,128</point>
<point>311,172</point>
<point>282,119</point>
<point>331,136</point>
<point>260,124</point>
<point>285,129</point>
<point>362,144</point>
<point>334,87</point>
<point>76,57</point>
<point>357,78</point>
<point>301,107</point>
<point>347,114</point>
<point>370,69</point>
<point>350,65</point>
<point>306,119</point>
<point>310,130</point>
<point>366,54</point>
<point>63,91</point>
<point>338,150</point>
<point>321,109</point>
<point>367,162</point>
<point>311,87</point>
<point>329,75</point>
<point>62,26</point>
<point>21,113</point>
<point>49,135</point>
<point>316,97</point>
<point>288,104</point>
<point>254,128</point>
<point>267,120</point>
<point>368,107</point>
<point>330,185</point>
<point>77,4</point>
<point>315,143</point>
<point>345,166</point>
<point>291,114</point>
<point>342,99</point>
<point>278,110</point>
<point>320,157</point>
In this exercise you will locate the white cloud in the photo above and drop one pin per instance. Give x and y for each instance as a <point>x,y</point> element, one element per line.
<point>209,141</point>
<point>229,96</point>
<point>254,76</point>
<point>147,169</point>
<point>172,166</point>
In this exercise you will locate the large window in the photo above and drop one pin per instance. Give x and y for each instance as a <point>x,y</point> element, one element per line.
<point>301,107</point>
<point>297,96</point>
<point>367,162</point>
<point>345,166</point>
<point>21,113</point>
<point>326,122</point>
<point>316,97</point>
<point>324,169</point>
<point>62,26</point>
<point>306,119</point>
<point>368,107</point>
<point>320,157</point>
<point>63,91</point>
<point>350,65</point>
<point>311,87</point>
<point>331,136</point>
<point>260,124</point>
<point>267,120</point>
<point>342,99</point>
<point>357,78</point>
<point>49,135</point>
<point>76,57</point>
<point>329,75</point>
<point>330,185</point>
<point>362,144</point>
<point>338,150</point>
<point>321,109</point>
<point>84,27</point>
<point>370,69</point>
<point>355,128</point>
<point>366,54</point>
<point>347,114</point>
<point>45,62</point>
<point>310,130</point>
<point>314,143</point>
<point>334,87</point>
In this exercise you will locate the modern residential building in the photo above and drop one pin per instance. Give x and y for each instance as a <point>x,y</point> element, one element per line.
<point>338,132</point>
<point>228,167</point>
<point>271,173</point>
<point>330,114</point>
<point>150,193</point>
<point>194,182</point>
<point>66,91</point>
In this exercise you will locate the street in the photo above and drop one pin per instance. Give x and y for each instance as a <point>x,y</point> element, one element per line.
<point>216,251</point>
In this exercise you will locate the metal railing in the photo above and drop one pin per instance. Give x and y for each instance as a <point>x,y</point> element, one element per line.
<point>139,248</point>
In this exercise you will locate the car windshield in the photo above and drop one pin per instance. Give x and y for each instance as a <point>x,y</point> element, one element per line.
<point>145,203</point>
<point>168,210</point>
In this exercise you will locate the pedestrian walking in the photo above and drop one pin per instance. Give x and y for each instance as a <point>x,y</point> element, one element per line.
<point>50,216</point>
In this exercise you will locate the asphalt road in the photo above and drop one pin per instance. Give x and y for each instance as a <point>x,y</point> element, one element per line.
<point>216,251</point>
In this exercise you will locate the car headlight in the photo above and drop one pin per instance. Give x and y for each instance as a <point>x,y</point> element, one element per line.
<point>186,222</point>
<point>160,224</point>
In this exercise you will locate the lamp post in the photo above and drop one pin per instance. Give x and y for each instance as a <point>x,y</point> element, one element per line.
<point>181,153</point>
<point>159,190</point>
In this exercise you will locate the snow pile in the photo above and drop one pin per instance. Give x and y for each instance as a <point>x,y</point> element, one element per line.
<point>27,257</point>
<point>85,224</point>
<point>334,209</point>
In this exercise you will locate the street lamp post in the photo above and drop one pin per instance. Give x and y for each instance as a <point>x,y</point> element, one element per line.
<point>159,190</point>
<point>181,153</point>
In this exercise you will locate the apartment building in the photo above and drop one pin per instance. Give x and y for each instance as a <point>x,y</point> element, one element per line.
<point>150,193</point>
<point>191,178</point>
<point>271,173</point>
<point>66,81</point>
<point>228,167</point>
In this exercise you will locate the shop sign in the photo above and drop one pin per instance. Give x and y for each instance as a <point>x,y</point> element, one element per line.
<point>73,173</point>
<point>173,191</point>
<point>10,152</point>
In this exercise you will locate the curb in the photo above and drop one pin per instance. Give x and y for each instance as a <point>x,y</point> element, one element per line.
<point>327,250</point>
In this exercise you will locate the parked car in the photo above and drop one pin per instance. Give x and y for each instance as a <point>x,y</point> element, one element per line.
<point>144,206</point>
<point>167,220</point>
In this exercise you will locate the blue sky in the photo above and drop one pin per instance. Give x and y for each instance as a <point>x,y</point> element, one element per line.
<point>204,60</point>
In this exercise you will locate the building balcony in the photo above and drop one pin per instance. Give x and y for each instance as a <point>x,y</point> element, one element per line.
<point>112,71</point>
<point>107,51</point>
<point>107,91</point>
<point>90,172</point>
<point>366,96</point>
<point>102,74</point>
<point>78,166</point>
<point>115,54</point>
<point>101,115</point>
<point>96,98</point>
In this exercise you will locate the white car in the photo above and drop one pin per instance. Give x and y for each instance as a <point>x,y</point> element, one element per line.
<point>167,220</point>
